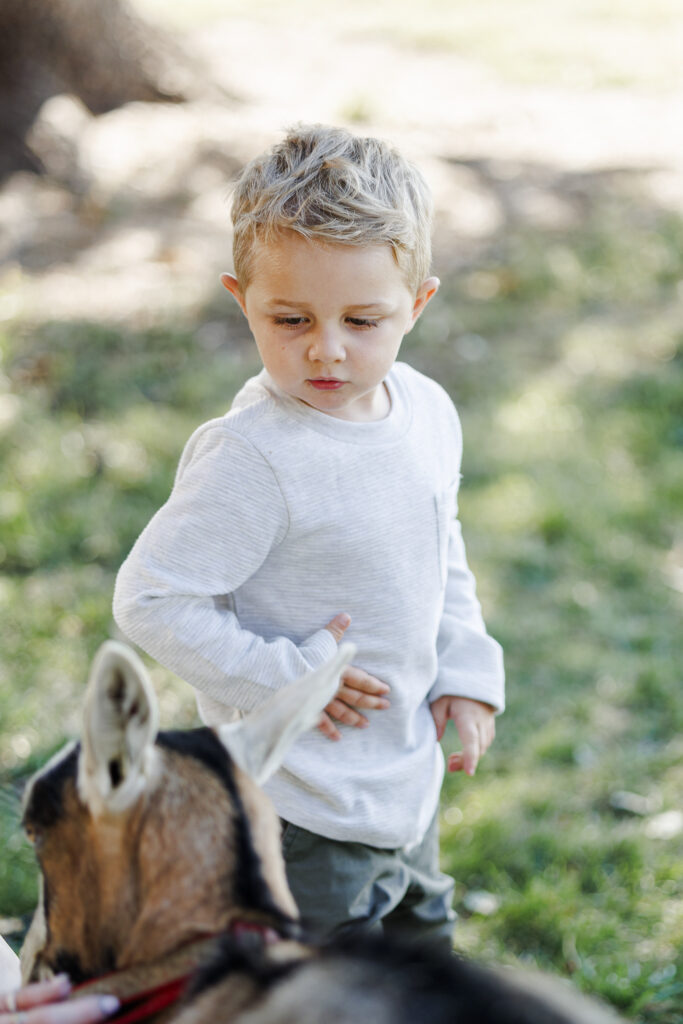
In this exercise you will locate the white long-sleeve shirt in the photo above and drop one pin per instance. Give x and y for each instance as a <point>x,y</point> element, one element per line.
<point>282,516</point>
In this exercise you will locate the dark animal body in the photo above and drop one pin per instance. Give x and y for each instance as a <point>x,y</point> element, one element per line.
<point>162,871</point>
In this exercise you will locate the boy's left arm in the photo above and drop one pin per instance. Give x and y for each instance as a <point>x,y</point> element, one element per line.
<point>470,686</point>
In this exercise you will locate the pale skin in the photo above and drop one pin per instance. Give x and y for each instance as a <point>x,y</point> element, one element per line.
<point>328,320</point>
<point>44,1003</point>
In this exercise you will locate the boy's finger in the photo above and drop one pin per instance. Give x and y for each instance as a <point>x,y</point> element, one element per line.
<point>361,680</point>
<point>440,717</point>
<point>471,749</point>
<point>343,713</point>
<point>361,700</point>
<point>338,625</point>
<point>471,742</point>
<point>328,728</point>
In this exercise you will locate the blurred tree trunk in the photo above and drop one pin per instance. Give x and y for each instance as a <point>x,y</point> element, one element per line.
<point>98,50</point>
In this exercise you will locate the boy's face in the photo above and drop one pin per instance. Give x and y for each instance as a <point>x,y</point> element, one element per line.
<point>328,320</point>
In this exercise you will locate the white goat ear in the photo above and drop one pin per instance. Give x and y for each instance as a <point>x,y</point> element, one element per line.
<point>259,742</point>
<point>120,725</point>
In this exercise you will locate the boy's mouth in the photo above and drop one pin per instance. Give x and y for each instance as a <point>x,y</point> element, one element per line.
<point>326,383</point>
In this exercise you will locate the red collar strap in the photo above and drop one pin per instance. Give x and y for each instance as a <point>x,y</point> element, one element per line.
<point>145,1005</point>
<point>142,1006</point>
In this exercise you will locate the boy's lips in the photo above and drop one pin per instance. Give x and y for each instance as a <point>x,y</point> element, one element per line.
<point>325,383</point>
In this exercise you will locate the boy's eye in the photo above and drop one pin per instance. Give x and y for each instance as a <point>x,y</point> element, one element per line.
<point>358,321</point>
<point>293,322</point>
<point>289,321</point>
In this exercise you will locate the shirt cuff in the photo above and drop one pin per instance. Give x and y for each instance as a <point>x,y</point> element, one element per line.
<point>319,648</point>
<point>487,692</point>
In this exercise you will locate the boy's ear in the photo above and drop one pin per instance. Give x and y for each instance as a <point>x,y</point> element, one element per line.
<point>229,281</point>
<point>425,292</point>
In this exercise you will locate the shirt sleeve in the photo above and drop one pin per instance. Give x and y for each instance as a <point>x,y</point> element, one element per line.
<point>172,594</point>
<point>470,661</point>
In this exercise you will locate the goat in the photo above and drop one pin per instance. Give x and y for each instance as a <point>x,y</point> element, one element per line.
<point>163,882</point>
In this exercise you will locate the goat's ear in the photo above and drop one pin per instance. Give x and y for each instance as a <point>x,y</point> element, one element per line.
<point>120,725</point>
<point>259,742</point>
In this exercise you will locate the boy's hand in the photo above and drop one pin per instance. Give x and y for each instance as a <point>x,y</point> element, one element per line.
<point>358,689</point>
<point>476,727</point>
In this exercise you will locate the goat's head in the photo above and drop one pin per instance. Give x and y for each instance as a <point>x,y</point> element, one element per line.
<point>148,840</point>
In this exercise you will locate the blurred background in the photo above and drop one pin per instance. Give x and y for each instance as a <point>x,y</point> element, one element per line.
<point>552,136</point>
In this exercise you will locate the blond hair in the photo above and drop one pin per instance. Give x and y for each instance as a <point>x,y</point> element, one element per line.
<point>327,184</point>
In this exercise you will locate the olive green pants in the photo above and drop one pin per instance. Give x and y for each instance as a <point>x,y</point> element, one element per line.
<point>340,885</point>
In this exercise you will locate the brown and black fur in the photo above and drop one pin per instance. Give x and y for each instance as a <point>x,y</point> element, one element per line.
<point>155,882</point>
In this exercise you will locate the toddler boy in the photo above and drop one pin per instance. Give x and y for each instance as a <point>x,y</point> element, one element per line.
<point>325,502</point>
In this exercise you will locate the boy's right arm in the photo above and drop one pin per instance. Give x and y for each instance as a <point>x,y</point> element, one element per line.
<point>225,514</point>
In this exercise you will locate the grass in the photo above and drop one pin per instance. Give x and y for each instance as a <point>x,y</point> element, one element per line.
<point>563,353</point>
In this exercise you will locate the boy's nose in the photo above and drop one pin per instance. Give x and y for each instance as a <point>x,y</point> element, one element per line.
<point>326,346</point>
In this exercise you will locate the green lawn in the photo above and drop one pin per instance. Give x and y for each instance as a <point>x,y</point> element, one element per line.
<point>563,353</point>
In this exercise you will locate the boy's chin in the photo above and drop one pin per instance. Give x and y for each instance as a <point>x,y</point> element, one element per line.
<point>367,408</point>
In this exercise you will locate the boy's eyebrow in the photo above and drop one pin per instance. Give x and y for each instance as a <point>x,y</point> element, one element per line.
<point>354,305</point>
<point>286,302</point>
